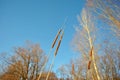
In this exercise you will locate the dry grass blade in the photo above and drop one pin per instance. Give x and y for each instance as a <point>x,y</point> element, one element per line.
<point>56,37</point>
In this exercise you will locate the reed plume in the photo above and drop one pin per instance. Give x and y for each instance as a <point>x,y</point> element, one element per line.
<point>58,44</point>
<point>73,69</point>
<point>86,23</point>
<point>56,38</point>
<point>91,52</point>
<point>89,64</point>
<point>55,53</point>
<point>90,58</point>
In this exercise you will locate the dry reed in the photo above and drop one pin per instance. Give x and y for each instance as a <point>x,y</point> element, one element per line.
<point>53,44</point>
<point>50,68</point>
<point>73,69</point>
<point>58,44</point>
<point>56,38</point>
<point>89,64</point>
<point>90,58</point>
<point>91,52</point>
<point>55,53</point>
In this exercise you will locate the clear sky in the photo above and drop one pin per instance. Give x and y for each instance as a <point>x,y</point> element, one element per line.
<point>38,21</point>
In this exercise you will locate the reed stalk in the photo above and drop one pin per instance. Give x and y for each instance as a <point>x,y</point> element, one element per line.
<point>55,53</point>
<point>50,68</point>
<point>53,44</point>
<point>44,65</point>
<point>86,23</point>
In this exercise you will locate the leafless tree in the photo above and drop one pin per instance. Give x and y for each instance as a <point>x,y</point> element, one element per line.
<point>110,63</point>
<point>26,62</point>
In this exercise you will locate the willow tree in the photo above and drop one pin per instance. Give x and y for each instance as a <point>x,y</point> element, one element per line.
<point>84,42</point>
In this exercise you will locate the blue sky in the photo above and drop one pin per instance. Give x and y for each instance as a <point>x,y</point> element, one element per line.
<point>38,21</point>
